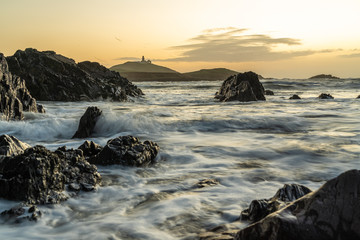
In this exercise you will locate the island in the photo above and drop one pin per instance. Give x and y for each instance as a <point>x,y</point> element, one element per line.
<point>324,76</point>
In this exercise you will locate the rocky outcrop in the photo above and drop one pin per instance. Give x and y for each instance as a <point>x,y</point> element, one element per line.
<point>331,212</point>
<point>269,92</point>
<point>325,96</point>
<point>39,176</point>
<point>322,76</point>
<point>128,151</point>
<point>14,96</point>
<point>53,77</point>
<point>21,213</point>
<point>242,87</point>
<point>259,209</point>
<point>87,122</point>
<point>11,146</point>
<point>90,149</point>
<point>295,97</point>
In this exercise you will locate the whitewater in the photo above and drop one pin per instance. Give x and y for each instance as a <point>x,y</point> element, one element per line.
<point>251,149</point>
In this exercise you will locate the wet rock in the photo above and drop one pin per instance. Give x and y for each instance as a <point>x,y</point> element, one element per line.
<point>53,77</point>
<point>40,108</point>
<point>21,213</point>
<point>259,209</point>
<point>325,96</point>
<point>14,96</point>
<point>90,149</point>
<point>39,176</point>
<point>269,92</point>
<point>242,87</point>
<point>128,151</point>
<point>295,96</point>
<point>206,183</point>
<point>11,146</point>
<point>331,212</point>
<point>87,122</point>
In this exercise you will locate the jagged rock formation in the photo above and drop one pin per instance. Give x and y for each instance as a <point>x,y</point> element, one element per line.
<point>14,96</point>
<point>242,87</point>
<point>259,209</point>
<point>11,146</point>
<point>53,77</point>
<point>21,213</point>
<point>295,96</point>
<point>325,96</point>
<point>87,122</point>
<point>128,151</point>
<point>330,213</point>
<point>39,176</point>
<point>90,149</point>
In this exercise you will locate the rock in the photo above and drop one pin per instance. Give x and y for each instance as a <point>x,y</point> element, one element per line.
<point>40,108</point>
<point>242,87</point>
<point>358,96</point>
<point>295,97</point>
<point>11,146</point>
<point>331,212</point>
<point>259,209</point>
<point>87,122</point>
<point>53,77</point>
<point>325,96</point>
<point>206,183</point>
<point>269,92</point>
<point>14,96</point>
<point>39,176</point>
<point>128,151</point>
<point>326,76</point>
<point>90,149</point>
<point>21,213</point>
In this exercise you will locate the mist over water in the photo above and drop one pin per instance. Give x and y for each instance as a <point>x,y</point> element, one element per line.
<point>251,148</point>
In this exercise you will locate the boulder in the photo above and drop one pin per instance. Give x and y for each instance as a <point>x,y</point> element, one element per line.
<point>242,87</point>
<point>11,146</point>
<point>259,209</point>
<point>325,96</point>
<point>269,92</point>
<point>90,149</point>
<point>39,176</point>
<point>128,151</point>
<point>14,96</point>
<point>331,212</point>
<point>53,77</point>
<point>295,97</point>
<point>87,122</point>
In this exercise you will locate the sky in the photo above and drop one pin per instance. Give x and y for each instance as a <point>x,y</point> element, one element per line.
<point>275,38</point>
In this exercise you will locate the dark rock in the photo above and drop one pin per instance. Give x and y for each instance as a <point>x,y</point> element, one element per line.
<point>358,96</point>
<point>128,151</point>
<point>325,96</point>
<point>206,183</point>
<point>269,92</point>
<point>21,213</point>
<point>90,149</point>
<point>53,77</point>
<point>39,176</point>
<point>332,212</point>
<point>11,146</point>
<point>87,122</point>
<point>322,76</point>
<point>295,97</point>
<point>259,209</point>
<point>242,87</point>
<point>14,96</point>
<point>40,108</point>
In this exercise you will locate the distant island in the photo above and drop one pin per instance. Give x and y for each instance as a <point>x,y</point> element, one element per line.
<point>322,76</point>
<point>145,70</point>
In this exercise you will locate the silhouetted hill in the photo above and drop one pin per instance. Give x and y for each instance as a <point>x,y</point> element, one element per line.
<point>211,74</point>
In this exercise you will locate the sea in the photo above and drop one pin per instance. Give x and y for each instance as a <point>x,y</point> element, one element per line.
<point>250,149</point>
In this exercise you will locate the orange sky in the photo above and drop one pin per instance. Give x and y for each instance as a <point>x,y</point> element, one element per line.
<point>278,38</point>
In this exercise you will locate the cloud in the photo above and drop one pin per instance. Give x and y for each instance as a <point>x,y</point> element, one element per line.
<point>128,59</point>
<point>353,55</point>
<point>235,45</point>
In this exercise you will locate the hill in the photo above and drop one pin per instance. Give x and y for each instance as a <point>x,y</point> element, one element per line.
<point>210,74</point>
